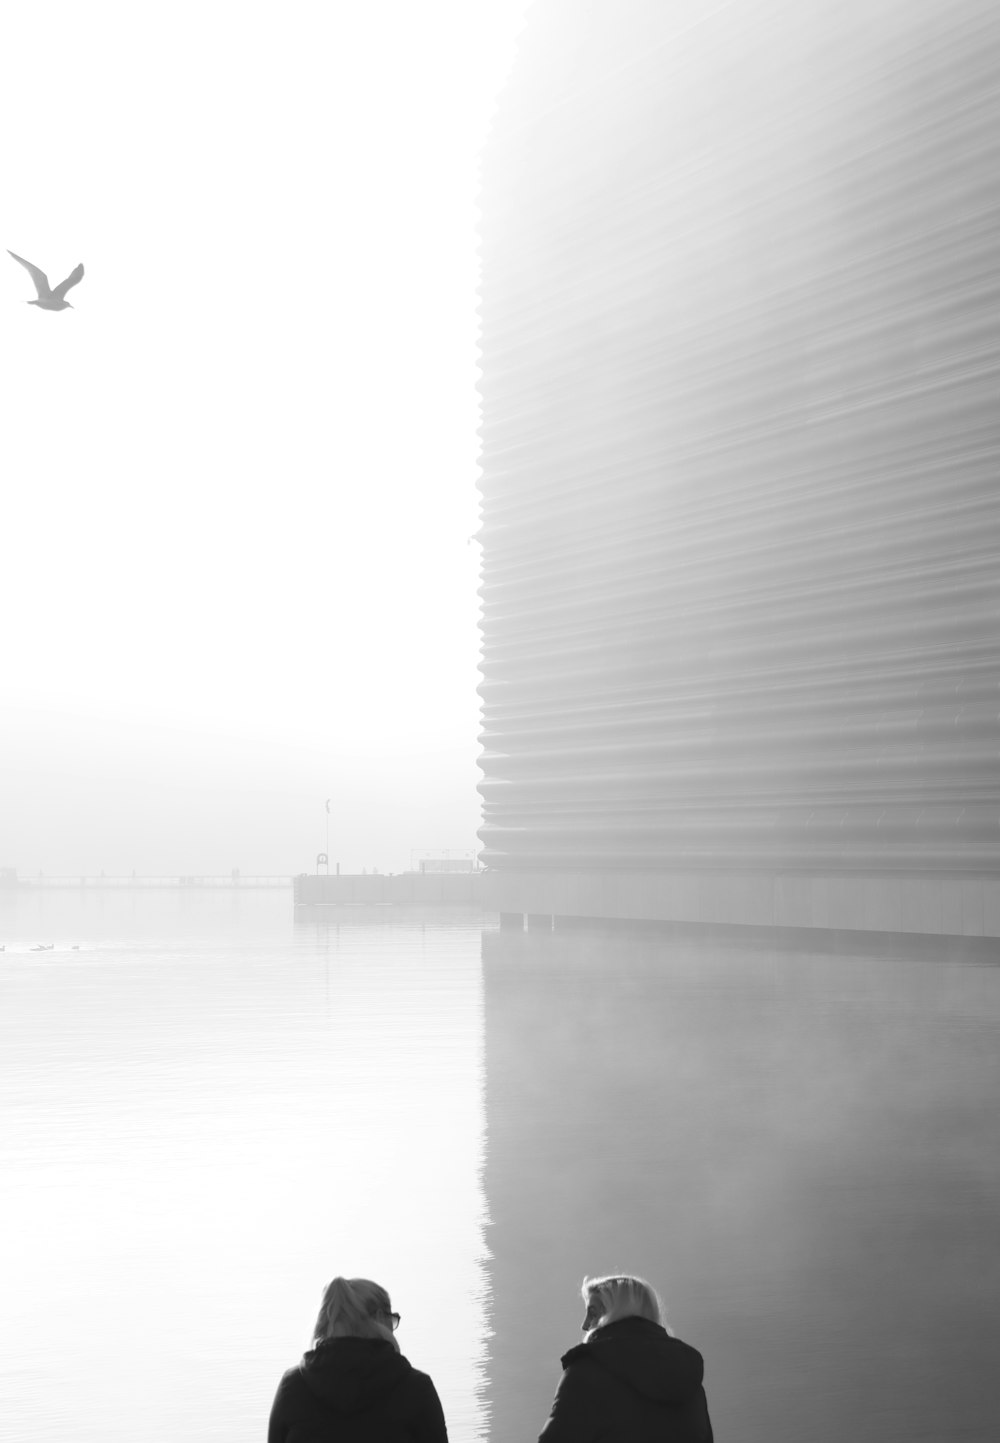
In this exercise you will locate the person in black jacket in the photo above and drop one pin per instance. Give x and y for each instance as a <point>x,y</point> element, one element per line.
<point>354,1385</point>
<point>631,1380</point>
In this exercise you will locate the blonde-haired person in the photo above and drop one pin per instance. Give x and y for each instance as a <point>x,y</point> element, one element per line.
<point>631,1380</point>
<point>354,1385</point>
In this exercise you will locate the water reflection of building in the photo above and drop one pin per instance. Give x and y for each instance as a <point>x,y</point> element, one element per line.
<point>740,348</point>
<point>799,1148</point>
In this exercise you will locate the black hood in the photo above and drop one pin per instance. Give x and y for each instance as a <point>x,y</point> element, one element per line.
<point>645,1356</point>
<point>352,1374</point>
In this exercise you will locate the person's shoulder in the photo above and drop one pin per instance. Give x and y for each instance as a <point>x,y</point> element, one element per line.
<point>420,1393</point>
<point>578,1354</point>
<point>678,1348</point>
<point>293,1380</point>
<point>290,1389</point>
<point>418,1380</point>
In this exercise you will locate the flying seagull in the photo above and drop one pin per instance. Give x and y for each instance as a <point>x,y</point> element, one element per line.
<point>49,299</point>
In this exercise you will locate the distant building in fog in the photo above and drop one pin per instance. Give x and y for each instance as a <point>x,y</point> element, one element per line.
<point>741,522</point>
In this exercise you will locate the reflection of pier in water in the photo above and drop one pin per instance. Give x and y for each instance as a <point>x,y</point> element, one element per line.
<point>792,1144</point>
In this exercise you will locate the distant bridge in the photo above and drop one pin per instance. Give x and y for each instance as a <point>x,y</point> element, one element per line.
<point>232,881</point>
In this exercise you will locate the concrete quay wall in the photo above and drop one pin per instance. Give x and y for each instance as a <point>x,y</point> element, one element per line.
<point>434,889</point>
<point>932,905</point>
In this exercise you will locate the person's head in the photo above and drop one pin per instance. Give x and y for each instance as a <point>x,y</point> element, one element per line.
<point>356,1308</point>
<point>618,1296</point>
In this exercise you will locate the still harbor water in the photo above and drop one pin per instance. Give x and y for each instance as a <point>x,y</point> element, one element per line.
<point>211,1107</point>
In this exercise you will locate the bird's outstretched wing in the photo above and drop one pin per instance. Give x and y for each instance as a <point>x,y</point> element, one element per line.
<point>40,279</point>
<point>73,279</point>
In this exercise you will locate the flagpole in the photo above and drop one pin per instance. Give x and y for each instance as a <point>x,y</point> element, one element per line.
<point>328,834</point>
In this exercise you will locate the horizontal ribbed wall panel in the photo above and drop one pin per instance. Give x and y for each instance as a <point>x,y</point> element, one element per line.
<point>741,434</point>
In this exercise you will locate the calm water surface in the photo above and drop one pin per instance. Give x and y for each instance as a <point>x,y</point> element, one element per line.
<point>207,1112</point>
<point>211,1108</point>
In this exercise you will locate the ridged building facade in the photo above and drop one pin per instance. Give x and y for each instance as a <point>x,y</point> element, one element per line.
<point>740,357</point>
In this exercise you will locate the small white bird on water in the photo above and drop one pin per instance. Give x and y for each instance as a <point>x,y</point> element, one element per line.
<point>50,299</point>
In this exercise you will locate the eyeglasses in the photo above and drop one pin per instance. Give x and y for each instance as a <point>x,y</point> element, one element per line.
<point>394,1320</point>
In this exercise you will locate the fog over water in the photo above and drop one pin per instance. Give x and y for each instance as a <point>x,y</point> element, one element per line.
<point>238,579</point>
<point>211,1108</point>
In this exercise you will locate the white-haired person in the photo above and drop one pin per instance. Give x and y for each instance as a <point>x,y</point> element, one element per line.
<point>631,1380</point>
<point>354,1385</point>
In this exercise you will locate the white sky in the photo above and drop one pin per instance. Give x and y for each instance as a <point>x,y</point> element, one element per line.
<point>238,478</point>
